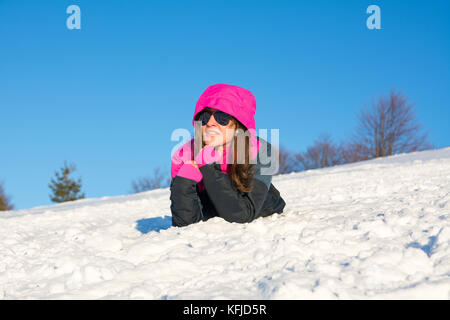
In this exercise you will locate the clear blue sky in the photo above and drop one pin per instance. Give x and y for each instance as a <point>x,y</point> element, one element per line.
<point>107,97</point>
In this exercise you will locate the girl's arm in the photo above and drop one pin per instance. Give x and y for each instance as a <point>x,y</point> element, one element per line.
<point>230,203</point>
<point>185,204</point>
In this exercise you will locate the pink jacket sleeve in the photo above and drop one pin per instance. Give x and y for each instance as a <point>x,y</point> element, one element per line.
<point>180,156</point>
<point>181,167</point>
<point>188,171</point>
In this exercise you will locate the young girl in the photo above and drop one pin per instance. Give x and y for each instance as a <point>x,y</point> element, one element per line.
<point>223,179</point>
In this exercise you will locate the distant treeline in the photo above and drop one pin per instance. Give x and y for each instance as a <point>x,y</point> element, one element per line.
<point>387,127</point>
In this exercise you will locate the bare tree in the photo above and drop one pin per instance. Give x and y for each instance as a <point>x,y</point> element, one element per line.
<point>286,161</point>
<point>389,127</point>
<point>351,151</point>
<point>156,181</point>
<point>5,203</point>
<point>323,153</point>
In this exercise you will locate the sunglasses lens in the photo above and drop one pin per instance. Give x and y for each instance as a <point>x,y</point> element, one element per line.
<point>222,118</point>
<point>203,117</point>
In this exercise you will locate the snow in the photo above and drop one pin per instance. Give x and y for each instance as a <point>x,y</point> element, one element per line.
<point>377,229</point>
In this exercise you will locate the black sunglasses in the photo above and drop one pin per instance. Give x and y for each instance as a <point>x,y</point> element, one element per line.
<point>221,117</point>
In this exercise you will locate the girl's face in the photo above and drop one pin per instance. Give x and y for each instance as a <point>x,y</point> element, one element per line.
<point>215,134</point>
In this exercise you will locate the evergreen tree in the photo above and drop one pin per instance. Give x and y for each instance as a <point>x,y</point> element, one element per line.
<point>65,188</point>
<point>5,204</point>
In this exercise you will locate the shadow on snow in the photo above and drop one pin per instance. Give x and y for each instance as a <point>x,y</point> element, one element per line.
<point>154,224</point>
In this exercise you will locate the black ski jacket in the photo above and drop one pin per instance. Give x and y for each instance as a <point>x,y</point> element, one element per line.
<point>221,199</point>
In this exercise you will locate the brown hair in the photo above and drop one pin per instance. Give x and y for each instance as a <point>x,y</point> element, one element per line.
<point>241,172</point>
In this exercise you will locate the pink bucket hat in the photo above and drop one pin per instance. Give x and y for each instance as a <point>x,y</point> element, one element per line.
<point>234,100</point>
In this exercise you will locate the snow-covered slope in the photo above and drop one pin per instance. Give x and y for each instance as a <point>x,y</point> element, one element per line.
<point>375,229</point>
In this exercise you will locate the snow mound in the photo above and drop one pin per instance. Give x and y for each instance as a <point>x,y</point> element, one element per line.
<point>377,229</point>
